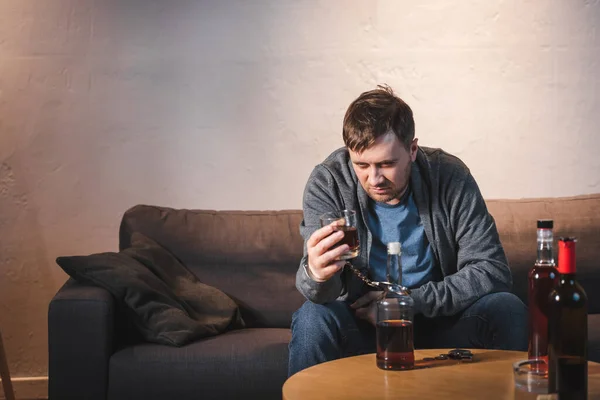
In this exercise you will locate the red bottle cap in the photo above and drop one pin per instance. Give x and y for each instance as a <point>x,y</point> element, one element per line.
<point>566,255</point>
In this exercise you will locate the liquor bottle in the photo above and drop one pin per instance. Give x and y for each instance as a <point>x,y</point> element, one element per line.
<point>542,278</point>
<point>567,329</point>
<point>395,313</point>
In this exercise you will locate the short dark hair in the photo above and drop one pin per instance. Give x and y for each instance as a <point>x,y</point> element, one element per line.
<point>375,113</point>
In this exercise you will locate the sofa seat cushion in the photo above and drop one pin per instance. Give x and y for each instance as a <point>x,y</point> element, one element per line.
<point>246,363</point>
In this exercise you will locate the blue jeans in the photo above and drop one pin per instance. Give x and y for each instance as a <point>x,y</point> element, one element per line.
<point>325,332</point>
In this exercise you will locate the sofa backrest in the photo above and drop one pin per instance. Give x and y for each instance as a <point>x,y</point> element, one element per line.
<point>577,216</point>
<point>253,256</point>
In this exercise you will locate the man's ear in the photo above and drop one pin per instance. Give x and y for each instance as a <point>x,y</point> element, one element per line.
<point>414,146</point>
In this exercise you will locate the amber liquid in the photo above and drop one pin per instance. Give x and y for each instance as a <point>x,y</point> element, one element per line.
<point>351,239</point>
<point>567,337</point>
<point>395,346</point>
<point>542,280</point>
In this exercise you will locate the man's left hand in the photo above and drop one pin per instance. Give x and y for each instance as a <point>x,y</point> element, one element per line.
<point>366,306</point>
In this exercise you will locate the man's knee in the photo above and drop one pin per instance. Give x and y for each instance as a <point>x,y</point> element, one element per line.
<point>312,315</point>
<point>502,309</point>
<point>504,305</point>
<point>507,318</point>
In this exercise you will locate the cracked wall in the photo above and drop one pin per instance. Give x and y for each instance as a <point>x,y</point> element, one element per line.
<point>229,105</point>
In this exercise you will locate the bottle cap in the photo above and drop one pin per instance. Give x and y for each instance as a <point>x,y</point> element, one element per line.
<point>393,248</point>
<point>545,224</point>
<point>566,255</point>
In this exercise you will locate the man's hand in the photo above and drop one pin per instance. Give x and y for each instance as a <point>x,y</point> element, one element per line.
<point>366,306</point>
<point>321,257</point>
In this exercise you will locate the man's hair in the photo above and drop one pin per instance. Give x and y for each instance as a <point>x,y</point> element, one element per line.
<point>375,113</point>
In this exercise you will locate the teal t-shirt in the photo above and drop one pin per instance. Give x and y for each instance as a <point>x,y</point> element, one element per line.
<point>400,223</point>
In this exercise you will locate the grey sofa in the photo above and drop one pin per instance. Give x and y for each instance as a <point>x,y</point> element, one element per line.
<point>95,353</point>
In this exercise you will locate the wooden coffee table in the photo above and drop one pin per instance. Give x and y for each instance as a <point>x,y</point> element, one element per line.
<point>489,376</point>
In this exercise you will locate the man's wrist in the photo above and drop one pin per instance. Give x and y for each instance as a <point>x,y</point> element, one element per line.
<point>310,274</point>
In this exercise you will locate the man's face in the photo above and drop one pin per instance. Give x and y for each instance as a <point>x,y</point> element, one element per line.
<point>383,169</point>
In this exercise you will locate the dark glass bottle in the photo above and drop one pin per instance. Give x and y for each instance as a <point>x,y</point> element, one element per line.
<point>542,279</point>
<point>567,330</point>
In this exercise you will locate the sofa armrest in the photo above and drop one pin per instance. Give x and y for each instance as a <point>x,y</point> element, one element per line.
<point>80,342</point>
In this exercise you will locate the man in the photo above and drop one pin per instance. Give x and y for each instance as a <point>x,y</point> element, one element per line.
<point>425,198</point>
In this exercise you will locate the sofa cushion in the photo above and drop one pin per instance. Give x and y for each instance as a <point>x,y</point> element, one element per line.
<point>573,216</point>
<point>219,237</point>
<point>242,364</point>
<point>252,256</point>
<point>266,293</point>
<point>167,302</point>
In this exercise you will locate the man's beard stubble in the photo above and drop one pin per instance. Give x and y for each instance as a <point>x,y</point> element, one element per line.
<point>395,193</point>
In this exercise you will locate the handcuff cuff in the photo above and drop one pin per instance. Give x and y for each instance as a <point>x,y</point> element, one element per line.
<point>385,286</point>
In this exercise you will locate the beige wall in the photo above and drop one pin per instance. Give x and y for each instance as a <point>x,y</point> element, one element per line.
<point>229,105</point>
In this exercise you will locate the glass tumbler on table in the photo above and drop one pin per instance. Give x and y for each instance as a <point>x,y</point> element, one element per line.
<point>344,220</point>
<point>530,376</point>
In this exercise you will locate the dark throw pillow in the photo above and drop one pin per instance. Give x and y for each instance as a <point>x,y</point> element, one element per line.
<point>168,303</point>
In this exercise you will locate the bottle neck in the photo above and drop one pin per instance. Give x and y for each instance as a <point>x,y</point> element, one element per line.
<point>545,255</point>
<point>394,269</point>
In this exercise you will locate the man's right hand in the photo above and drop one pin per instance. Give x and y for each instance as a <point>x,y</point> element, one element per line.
<point>322,262</point>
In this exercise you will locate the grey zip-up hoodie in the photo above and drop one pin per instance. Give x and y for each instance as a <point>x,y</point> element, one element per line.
<point>461,232</point>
